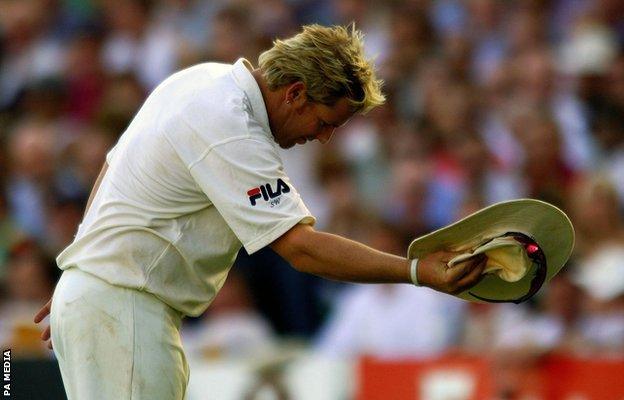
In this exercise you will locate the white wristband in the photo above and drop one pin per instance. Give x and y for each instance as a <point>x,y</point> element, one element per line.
<point>414,272</point>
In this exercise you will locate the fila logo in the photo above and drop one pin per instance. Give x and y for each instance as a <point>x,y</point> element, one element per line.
<point>266,192</point>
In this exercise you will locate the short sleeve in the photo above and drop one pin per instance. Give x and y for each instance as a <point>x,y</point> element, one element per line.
<point>244,179</point>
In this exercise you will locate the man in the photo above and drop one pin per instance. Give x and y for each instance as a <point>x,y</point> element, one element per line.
<point>196,176</point>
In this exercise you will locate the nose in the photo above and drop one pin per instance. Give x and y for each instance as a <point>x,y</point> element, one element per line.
<point>326,134</point>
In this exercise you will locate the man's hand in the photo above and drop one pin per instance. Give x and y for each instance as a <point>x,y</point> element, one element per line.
<point>41,314</point>
<point>433,272</point>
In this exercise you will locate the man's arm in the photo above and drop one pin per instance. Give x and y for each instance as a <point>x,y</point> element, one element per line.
<point>334,257</point>
<point>96,186</point>
<point>45,310</point>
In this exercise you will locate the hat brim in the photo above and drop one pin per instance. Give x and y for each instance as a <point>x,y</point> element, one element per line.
<point>546,224</point>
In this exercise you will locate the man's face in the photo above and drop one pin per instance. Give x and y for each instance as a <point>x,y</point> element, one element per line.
<point>306,120</point>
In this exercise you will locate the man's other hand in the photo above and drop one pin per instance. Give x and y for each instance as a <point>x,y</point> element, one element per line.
<point>41,314</point>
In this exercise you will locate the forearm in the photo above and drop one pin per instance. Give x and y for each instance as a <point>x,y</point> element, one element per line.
<point>338,258</point>
<point>335,257</point>
<point>96,186</point>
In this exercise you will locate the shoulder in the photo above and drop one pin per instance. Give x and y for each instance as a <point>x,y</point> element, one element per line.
<point>204,98</point>
<point>209,85</point>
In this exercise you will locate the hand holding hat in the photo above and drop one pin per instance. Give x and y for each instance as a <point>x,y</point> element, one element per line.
<point>526,243</point>
<point>434,271</point>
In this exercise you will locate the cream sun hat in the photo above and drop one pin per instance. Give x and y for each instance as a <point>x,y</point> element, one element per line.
<point>527,242</point>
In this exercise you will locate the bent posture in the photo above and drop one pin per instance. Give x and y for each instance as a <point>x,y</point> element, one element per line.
<point>191,181</point>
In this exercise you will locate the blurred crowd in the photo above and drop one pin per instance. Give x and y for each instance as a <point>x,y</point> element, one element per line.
<point>488,100</point>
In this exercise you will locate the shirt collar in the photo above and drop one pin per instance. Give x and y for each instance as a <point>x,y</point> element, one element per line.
<point>245,80</point>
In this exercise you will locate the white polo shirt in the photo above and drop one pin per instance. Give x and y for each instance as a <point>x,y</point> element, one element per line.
<point>196,175</point>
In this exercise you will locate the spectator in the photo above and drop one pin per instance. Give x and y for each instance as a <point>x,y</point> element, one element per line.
<point>136,44</point>
<point>33,158</point>
<point>601,277</point>
<point>29,281</point>
<point>231,327</point>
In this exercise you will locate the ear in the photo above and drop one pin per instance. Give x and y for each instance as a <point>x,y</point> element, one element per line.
<point>296,94</point>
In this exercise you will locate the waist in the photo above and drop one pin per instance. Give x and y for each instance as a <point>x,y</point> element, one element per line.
<point>78,285</point>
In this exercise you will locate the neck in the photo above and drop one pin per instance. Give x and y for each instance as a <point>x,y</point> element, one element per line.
<point>271,98</point>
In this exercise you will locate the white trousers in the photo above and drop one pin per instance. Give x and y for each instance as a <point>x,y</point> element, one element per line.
<point>115,343</point>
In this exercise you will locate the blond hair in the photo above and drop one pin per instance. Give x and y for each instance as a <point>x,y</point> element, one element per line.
<point>329,61</point>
